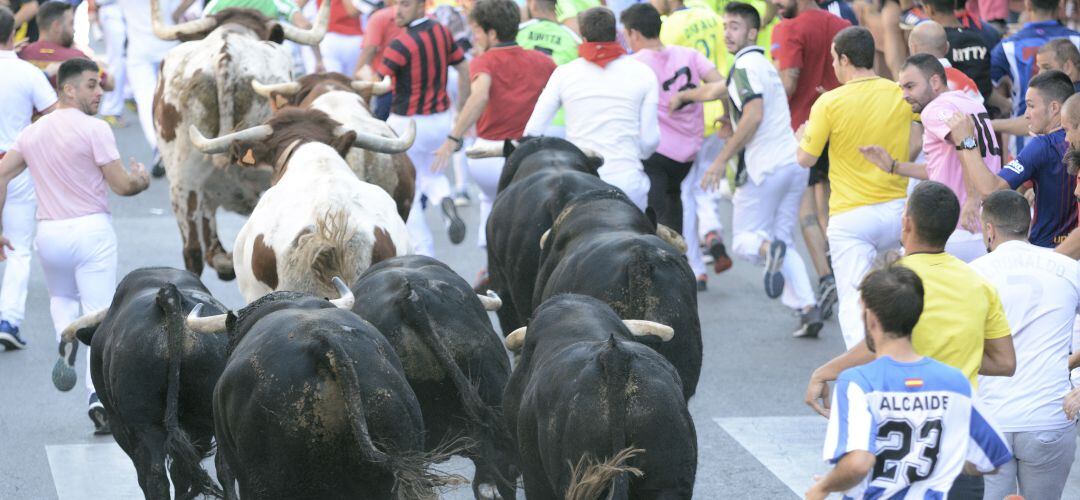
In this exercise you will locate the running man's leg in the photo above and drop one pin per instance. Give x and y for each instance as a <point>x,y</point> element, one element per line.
<point>1044,459</point>
<point>798,293</point>
<point>632,182</point>
<point>341,52</point>
<point>95,271</point>
<point>20,209</point>
<point>853,252</point>
<point>115,33</point>
<point>1002,483</point>
<point>486,172</point>
<point>142,74</point>
<point>431,131</point>
<point>665,192</point>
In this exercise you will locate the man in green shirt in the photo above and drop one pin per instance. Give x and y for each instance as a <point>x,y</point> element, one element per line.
<point>544,33</point>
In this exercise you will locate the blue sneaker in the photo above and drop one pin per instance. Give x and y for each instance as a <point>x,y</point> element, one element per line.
<point>774,260</point>
<point>9,337</point>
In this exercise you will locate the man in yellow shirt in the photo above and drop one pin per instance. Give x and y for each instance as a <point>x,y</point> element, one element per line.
<point>866,202</point>
<point>962,324</point>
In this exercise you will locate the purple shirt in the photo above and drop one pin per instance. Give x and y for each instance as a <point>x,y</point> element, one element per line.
<point>64,151</point>
<point>678,69</point>
<point>942,159</point>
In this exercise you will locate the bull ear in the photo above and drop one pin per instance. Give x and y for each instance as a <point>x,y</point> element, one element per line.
<point>651,214</point>
<point>344,142</point>
<point>86,335</point>
<point>276,33</point>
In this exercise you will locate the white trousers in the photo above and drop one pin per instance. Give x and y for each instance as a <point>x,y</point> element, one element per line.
<point>142,70</point>
<point>460,162</point>
<point>633,182</point>
<point>431,131</point>
<point>768,212</point>
<point>699,206</point>
<point>20,210</point>
<point>485,172</point>
<point>341,52</point>
<point>856,238</point>
<point>79,259</point>
<point>112,26</point>
<point>966,246</point>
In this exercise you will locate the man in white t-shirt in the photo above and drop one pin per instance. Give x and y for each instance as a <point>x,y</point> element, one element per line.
<point>766,204</point>
<point>610,101</point>
<point>23,89</point>
<point>1040,291</point>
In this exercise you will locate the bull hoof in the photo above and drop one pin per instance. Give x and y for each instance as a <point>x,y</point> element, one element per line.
<point>63,376</point>
<point>223,264</point>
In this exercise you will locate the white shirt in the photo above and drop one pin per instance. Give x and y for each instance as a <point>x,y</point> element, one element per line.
<point>773,144</point>
<point>23,89</point>
<point>1040,290</point>
<point>611,110</point>
<point>140,31</point>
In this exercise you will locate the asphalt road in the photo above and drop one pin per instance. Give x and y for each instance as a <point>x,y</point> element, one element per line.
<point>753,376</point>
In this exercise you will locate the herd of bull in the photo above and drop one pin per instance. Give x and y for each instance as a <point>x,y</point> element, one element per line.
<point>358,396</point>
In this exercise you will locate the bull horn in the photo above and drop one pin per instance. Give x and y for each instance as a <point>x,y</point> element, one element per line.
<point>484,148</point>
<point>376,88</point>
<point>593,155</point>
<point>91,320</point>
<point>642,328</point>
<point>312,36</point>
<point>491,301</point>
<point>210,324</point>
<point>544,238</point>
<point>345,296</point>
<point>174,32</point>
<point>221,144</point>
<point>671,236</point>
<point>380,144</point>
<point>265,89</point>
<point>516,339</point>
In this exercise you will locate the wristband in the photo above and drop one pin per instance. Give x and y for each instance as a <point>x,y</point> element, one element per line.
<point>892,169</point>
<point>457,140</point>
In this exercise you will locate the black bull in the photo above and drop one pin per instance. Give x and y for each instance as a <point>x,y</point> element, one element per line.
<point>582,392</point>
<point>620,261</point>
<point>314,403</point>
<point>453,359</point>
<point>156,410</point>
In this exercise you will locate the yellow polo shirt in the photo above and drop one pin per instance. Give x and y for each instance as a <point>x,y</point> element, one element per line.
<point>862,112</point>
<point>960,311</point>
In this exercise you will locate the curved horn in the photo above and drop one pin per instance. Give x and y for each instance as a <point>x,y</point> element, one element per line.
<point>86,321</point>
<point>265,89</point>
<point>173,32</point>
<point>314,35</point>
<point>491,301</point>
<point>671,236</point>
<point>544,238</point>
<point>221,144</point>
<point>641,328</point>
<point>345,296</point>
<point>376,88</point>
<point>484,148</point>
<point>380,144</point>
<point>209,324</point>
<point>593,155</point>
<point>516,339</point>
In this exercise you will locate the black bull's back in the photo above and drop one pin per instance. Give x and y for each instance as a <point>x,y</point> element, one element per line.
<point>309,403</point>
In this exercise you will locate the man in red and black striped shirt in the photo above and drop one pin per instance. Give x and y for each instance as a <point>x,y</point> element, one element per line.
<point>417,60</point>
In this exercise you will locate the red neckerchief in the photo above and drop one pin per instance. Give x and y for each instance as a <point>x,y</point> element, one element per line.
<point>600,53</point>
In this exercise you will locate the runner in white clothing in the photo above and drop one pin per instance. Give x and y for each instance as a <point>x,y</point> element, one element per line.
<point>1040,291</point>
<point>767,201</point>
<point>610,101</point>
<point>23,90</point>
<point>73,157</point>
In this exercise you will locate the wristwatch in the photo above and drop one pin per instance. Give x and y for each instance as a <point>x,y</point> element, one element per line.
<point>457,140</point>
<point>968,143</point>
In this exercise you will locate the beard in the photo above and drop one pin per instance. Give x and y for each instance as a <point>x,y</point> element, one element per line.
<point>788,12</point>
<point>1072,160</point>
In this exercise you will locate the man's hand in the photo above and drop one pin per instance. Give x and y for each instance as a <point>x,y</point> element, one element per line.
<point>817,491</point>
<point>139,175</point>
<point>969,214</point>
<point>879,157</point>
<point>711,180</point>
<point>817,395</point>
<point>443,155</point>
<point>676,102</point>
<point>1072,402</point>
<point>960,127</point>
<point>726,130</point>
<point>6,244</point>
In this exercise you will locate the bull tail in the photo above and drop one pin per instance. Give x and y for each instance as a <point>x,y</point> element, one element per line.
<point>324,253</point>
<point>178,447</point>
<point>590,478</point>
<point>480,414</point>
<point>411,477</point>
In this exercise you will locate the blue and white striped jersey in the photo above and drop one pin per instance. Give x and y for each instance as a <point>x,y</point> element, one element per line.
<point>918,419</point>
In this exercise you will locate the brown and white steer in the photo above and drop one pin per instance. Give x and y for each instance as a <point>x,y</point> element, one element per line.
<point>347,102</point>
<point>317,220</point>
<point>206,82</point>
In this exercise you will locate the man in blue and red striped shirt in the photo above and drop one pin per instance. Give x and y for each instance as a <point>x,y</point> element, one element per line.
<point>417,60</point>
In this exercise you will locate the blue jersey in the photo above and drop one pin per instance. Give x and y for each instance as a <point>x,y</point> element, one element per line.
<point>918,420</point>
<point>1042,162</point>
<point>1014,57</point>
<point>841,9</point>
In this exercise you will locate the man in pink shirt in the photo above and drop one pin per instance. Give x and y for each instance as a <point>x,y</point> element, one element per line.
<point>925,87</point>
<point>72,157</point>
<point>682,124</point>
